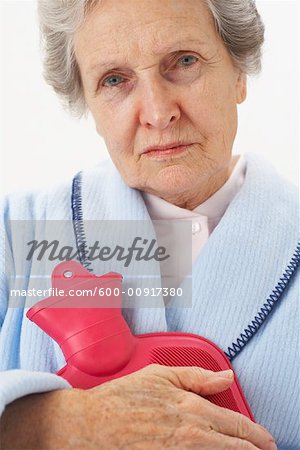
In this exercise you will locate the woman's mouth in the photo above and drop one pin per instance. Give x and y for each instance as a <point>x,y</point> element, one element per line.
<point>166,152</point>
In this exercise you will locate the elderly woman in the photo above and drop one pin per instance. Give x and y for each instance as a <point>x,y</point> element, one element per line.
<point>162,80</point>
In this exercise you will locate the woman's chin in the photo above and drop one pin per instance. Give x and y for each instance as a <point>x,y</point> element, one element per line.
<point>171,181</point>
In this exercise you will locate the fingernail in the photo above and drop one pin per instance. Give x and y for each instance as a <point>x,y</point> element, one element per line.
<point>225,374</point>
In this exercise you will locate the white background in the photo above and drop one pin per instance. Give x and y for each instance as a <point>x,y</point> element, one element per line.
<point>41,144</point>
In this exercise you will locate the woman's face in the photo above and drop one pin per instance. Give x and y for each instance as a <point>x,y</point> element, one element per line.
<point>156,75</point>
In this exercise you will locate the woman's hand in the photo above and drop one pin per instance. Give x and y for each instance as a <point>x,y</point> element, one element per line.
<point>154,408</point>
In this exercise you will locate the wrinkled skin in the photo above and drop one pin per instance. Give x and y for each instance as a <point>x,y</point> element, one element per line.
<point>155,408</point>
<point>155,73</point>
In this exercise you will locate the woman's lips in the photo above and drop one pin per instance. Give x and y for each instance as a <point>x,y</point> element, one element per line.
<point>166,153</point>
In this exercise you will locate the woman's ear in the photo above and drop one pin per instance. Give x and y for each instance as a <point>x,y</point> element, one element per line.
<point>241,87</point>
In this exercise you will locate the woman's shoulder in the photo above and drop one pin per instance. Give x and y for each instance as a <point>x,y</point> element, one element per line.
<point>51,202</point>
<point>37,204</point>
<point>266,181</point>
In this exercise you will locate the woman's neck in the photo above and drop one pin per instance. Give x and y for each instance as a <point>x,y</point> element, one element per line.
<point>191,200</point>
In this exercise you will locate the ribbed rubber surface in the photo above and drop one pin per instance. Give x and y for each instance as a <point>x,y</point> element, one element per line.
<point>178,356</point>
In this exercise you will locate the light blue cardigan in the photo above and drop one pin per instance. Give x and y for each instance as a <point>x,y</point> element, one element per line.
<point>236,272</point>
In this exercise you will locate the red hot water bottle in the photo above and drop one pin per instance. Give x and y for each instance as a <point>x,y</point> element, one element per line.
<point>98,345</point>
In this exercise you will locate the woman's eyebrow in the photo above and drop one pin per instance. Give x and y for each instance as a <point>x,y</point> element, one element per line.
<point>175,46</point>
<point>179,45</point>
<point>107,65</point>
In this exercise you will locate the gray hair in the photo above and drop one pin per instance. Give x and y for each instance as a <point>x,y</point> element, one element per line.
<point>237,22</point>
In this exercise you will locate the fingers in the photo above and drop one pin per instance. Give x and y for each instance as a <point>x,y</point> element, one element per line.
<point>237,425</point>
<point>192,436</point>
<point>210,417</point>
<point>225,422</point>
<point>231,443</point>
<point>195,379</point>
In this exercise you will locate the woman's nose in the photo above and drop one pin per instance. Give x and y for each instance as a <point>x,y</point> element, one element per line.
<point>158,105</point>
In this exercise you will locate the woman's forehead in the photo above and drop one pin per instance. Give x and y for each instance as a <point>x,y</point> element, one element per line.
<point>155,28</point>
<point>110,17</point>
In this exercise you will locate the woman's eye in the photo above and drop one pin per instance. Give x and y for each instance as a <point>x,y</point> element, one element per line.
<point>187,60</point>
<point>112,81</point>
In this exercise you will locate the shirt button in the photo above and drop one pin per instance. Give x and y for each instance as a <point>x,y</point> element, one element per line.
<point>196,228</point>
